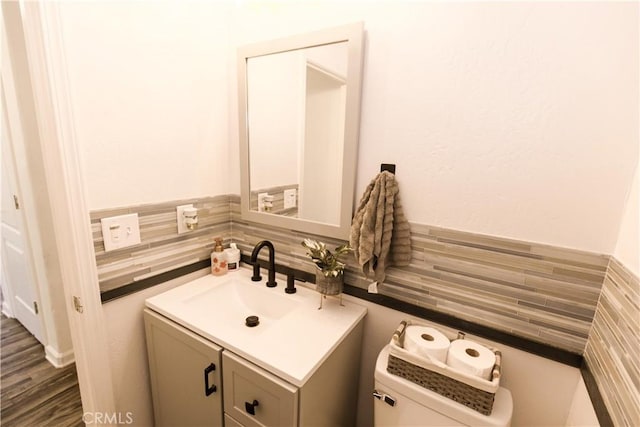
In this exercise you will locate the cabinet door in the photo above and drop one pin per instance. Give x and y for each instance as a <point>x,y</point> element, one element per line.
<point>185,375</point>
<point>255,397</point>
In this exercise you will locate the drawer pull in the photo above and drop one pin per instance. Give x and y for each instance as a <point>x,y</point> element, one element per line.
<point>208,390</point>
<point>384,397</point>
<point>251,407</point>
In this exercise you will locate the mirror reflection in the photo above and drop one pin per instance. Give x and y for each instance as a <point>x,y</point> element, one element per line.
<point>296,105</point>
<point>299,117</point>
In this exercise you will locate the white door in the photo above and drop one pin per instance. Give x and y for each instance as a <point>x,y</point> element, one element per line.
<point>16,256</point>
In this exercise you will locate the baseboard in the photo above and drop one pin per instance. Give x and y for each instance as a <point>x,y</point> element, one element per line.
<point>6,310</point>
<point>57,359</point>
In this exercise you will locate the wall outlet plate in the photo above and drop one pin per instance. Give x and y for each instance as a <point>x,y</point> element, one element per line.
<point>182,226</point>
<point>261,197</point>
<point>120,231</point>
<point>290,198</point>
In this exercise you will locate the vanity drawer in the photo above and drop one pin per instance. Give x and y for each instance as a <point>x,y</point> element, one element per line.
<point>254,397</point>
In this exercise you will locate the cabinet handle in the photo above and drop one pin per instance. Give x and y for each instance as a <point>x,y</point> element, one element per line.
<point>209,390</point>
<point>251,407</point>
<point>384,397</point>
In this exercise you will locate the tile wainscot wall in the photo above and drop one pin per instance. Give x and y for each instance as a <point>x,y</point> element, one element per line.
<point>613,349</point>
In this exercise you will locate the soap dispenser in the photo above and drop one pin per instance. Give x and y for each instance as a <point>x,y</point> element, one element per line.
<point>218,260</point>
<point>232,255</point>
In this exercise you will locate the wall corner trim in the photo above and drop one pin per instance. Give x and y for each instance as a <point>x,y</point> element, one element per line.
<point>57,359</point>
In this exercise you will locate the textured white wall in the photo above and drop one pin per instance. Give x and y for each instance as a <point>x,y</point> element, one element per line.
<point>515,119</point>
<point>519,120</point>
<point>149,83</point>
<point>627,249</point>
<point>512,119</point>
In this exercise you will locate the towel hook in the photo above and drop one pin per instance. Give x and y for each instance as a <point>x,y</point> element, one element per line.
<point>390,167</point>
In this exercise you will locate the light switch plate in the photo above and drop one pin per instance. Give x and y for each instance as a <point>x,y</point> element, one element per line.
<point>182,226</point>
<point>290,198</point>
<point>120,231</point>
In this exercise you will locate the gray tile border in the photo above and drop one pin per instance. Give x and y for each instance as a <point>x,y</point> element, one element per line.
<point>489,274</point>
<point>486,274</point>
<point>161,246</point>
<point>614,344</point>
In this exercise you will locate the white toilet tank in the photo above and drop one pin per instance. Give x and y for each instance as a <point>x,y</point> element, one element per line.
<point>399,402</point>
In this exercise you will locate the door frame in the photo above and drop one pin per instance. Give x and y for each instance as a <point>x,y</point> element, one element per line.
<point>63,171</point>
<point>25,158</point>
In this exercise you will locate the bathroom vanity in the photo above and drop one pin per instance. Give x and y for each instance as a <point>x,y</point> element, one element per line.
<point>298,366</point>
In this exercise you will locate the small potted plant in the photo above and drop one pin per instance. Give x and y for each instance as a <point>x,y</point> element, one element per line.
<point>330,272</point>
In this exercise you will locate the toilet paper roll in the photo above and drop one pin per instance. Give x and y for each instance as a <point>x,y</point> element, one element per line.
<point>426,342</point>
<point>470,357</point>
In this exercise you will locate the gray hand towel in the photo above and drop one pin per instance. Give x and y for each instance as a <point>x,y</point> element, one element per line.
<point>380,234</point>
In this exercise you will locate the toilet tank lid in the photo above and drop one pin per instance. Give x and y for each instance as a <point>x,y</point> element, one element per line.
<point>500,415</point>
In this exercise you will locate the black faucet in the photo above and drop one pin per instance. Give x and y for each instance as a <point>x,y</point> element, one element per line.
<point>291,281</point>
<point>271,283</point>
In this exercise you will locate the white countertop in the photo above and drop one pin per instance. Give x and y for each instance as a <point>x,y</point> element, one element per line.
<point>293,338</point>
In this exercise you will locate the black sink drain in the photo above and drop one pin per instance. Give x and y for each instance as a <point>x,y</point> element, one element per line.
<point>252,321</point>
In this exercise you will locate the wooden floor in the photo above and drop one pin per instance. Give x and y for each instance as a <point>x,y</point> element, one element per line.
<point>32,391</point>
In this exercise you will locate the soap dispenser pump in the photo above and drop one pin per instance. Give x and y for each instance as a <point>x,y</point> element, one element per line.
<point>218,260</point>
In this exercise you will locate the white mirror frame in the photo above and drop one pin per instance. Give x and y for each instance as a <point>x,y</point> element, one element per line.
<point>353,35</point>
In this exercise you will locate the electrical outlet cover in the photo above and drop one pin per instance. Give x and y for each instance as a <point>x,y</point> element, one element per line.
<point>261,197</point>
<point>182,226</point>
<point>290,198</point>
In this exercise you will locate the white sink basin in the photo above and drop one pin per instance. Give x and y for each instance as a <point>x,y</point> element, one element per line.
<point>292,338</point>
<point>235,298</point>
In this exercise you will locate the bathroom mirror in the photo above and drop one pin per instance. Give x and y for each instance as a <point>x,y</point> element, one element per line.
<point>299,116</point>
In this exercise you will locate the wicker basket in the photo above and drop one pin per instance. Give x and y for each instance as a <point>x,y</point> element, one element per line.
<point>471,391</point>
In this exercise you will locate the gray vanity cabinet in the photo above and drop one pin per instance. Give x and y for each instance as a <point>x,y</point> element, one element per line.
<point>185,372</point>
<point>191,377</point>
